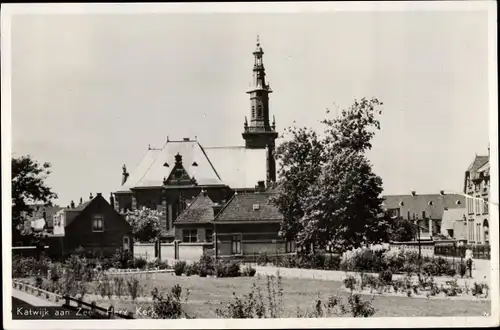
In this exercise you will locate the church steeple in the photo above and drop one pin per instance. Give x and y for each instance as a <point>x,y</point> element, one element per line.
<point>258,132</point>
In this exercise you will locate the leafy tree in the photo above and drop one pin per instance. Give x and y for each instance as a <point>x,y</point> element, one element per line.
<point>28,187</point>
<point>145,224</point>
<point>327,191</point>
<point>402,230</point>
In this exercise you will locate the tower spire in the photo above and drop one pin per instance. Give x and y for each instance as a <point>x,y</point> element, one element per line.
<point>258,132</point>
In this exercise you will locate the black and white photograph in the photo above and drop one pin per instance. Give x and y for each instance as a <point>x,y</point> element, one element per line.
<point>190,165</point>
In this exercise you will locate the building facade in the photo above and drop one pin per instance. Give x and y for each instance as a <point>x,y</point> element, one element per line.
<point>477,189</point>
<point>170,178</point>
<point>427,210</point>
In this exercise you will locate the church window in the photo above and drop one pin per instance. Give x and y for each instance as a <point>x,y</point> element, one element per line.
<point>259,111</point>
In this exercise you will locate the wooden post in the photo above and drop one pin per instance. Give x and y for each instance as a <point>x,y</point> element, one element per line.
<point>111,312</point>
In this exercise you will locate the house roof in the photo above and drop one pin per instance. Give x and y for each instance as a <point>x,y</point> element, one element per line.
<point>253,207</point>
<point>419,203</point>
<point>236,167</point>
<point>450,216</point>
<point>200,210</point>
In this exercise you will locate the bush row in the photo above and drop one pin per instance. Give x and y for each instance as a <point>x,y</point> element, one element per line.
<point>208,266</point>
<point>308,261</point>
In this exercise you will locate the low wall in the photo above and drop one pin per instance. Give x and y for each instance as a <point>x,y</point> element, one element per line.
<point>186,251</point>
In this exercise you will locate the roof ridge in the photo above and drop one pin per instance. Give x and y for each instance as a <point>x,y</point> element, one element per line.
<point>224,207</point>
<point>209,161</point>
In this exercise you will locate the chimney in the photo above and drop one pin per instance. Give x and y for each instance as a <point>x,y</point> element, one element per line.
<point>111,200</point>
<point>414,193</point>
<point>204,192</point>
<point>442,192</point>
<point>217,208</point>
<point>81,201</point>
<point>260,187</point>
<point>186,139</point>
<point>125,174</point>
<point>90,196</point>
<point>72,204</point>
<point>98,194</point>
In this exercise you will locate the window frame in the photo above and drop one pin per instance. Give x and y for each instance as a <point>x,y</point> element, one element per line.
<point>188,233</point>
<point>211,236</point>
<point>290,246</point>
<point>236,244</point>
<point>97,217</point>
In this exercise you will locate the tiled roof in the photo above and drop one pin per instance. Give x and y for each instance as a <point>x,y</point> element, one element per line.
<point>236,167</point>
<point>250,207</point>
<point>418,203</point>
<point>239,167</point>
<point>200,210</point>
<point>152,169</point>
<point>451,215</point>
<point>477,163</point>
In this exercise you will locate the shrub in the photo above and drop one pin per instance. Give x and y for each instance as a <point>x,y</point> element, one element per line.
<point>192,269</point>
<point>119,285</point>
<point>248,271</point>
<point>360,308</point>
<point>385,276</point>
<point>206,265</point>
<point>262,259</point>
<point>227,268</point>
<point>179,267</point>
<point>332,262</point>
<point>350,282</point>
<point>169,307</point>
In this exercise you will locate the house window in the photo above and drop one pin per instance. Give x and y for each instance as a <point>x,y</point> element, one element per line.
<point>209,235</point>
<point>98,223</point>
<point>290,247</point>
<point>189,235</point>
<point>486,209</point>
<point>236,244</point>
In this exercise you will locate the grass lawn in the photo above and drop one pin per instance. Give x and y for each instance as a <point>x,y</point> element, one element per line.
<point>207,294</point>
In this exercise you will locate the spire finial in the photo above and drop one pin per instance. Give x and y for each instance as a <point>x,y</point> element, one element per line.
<point>258,41</point>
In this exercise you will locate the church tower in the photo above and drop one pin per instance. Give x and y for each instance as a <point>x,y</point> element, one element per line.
<point>259,133</point>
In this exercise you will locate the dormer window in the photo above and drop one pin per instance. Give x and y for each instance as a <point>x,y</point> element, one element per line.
<point>166,165</point>
<point>256,207</point>
<point>97,223</point>
<point>401,203</point>
<point>430,203</point>
<point>458,202</point>
<point>195,164</point>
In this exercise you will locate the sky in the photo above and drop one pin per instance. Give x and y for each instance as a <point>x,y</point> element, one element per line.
<point>91,92</point>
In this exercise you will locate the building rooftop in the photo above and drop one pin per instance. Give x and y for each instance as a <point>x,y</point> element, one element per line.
<point>200,210</point>
<point>253,207</point>
<point>432,204</point>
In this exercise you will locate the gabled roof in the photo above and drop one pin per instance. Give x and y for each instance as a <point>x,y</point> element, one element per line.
<point>236,167</point>
<point>432,204</point>
<point>250,207</point>
<point>477,163</point>
<point>158,164</point>
<point>200,210</point>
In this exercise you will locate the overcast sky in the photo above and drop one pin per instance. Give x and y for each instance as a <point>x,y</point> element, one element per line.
<point>90,92</point>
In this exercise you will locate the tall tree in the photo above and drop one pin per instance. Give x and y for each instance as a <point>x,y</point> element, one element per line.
<point>327,191</point>
<point>28,187</point>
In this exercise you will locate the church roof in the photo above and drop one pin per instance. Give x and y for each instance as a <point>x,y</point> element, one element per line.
<point>236,167</point>
<point>239,167</point>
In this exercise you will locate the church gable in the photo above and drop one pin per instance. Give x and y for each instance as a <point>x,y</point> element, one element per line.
<point>179,175</point>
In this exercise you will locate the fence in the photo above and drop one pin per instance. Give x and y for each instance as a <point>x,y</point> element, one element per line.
<point>452,250</point>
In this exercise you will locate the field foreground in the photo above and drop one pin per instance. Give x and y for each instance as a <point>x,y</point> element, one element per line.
<point>208,294</point>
